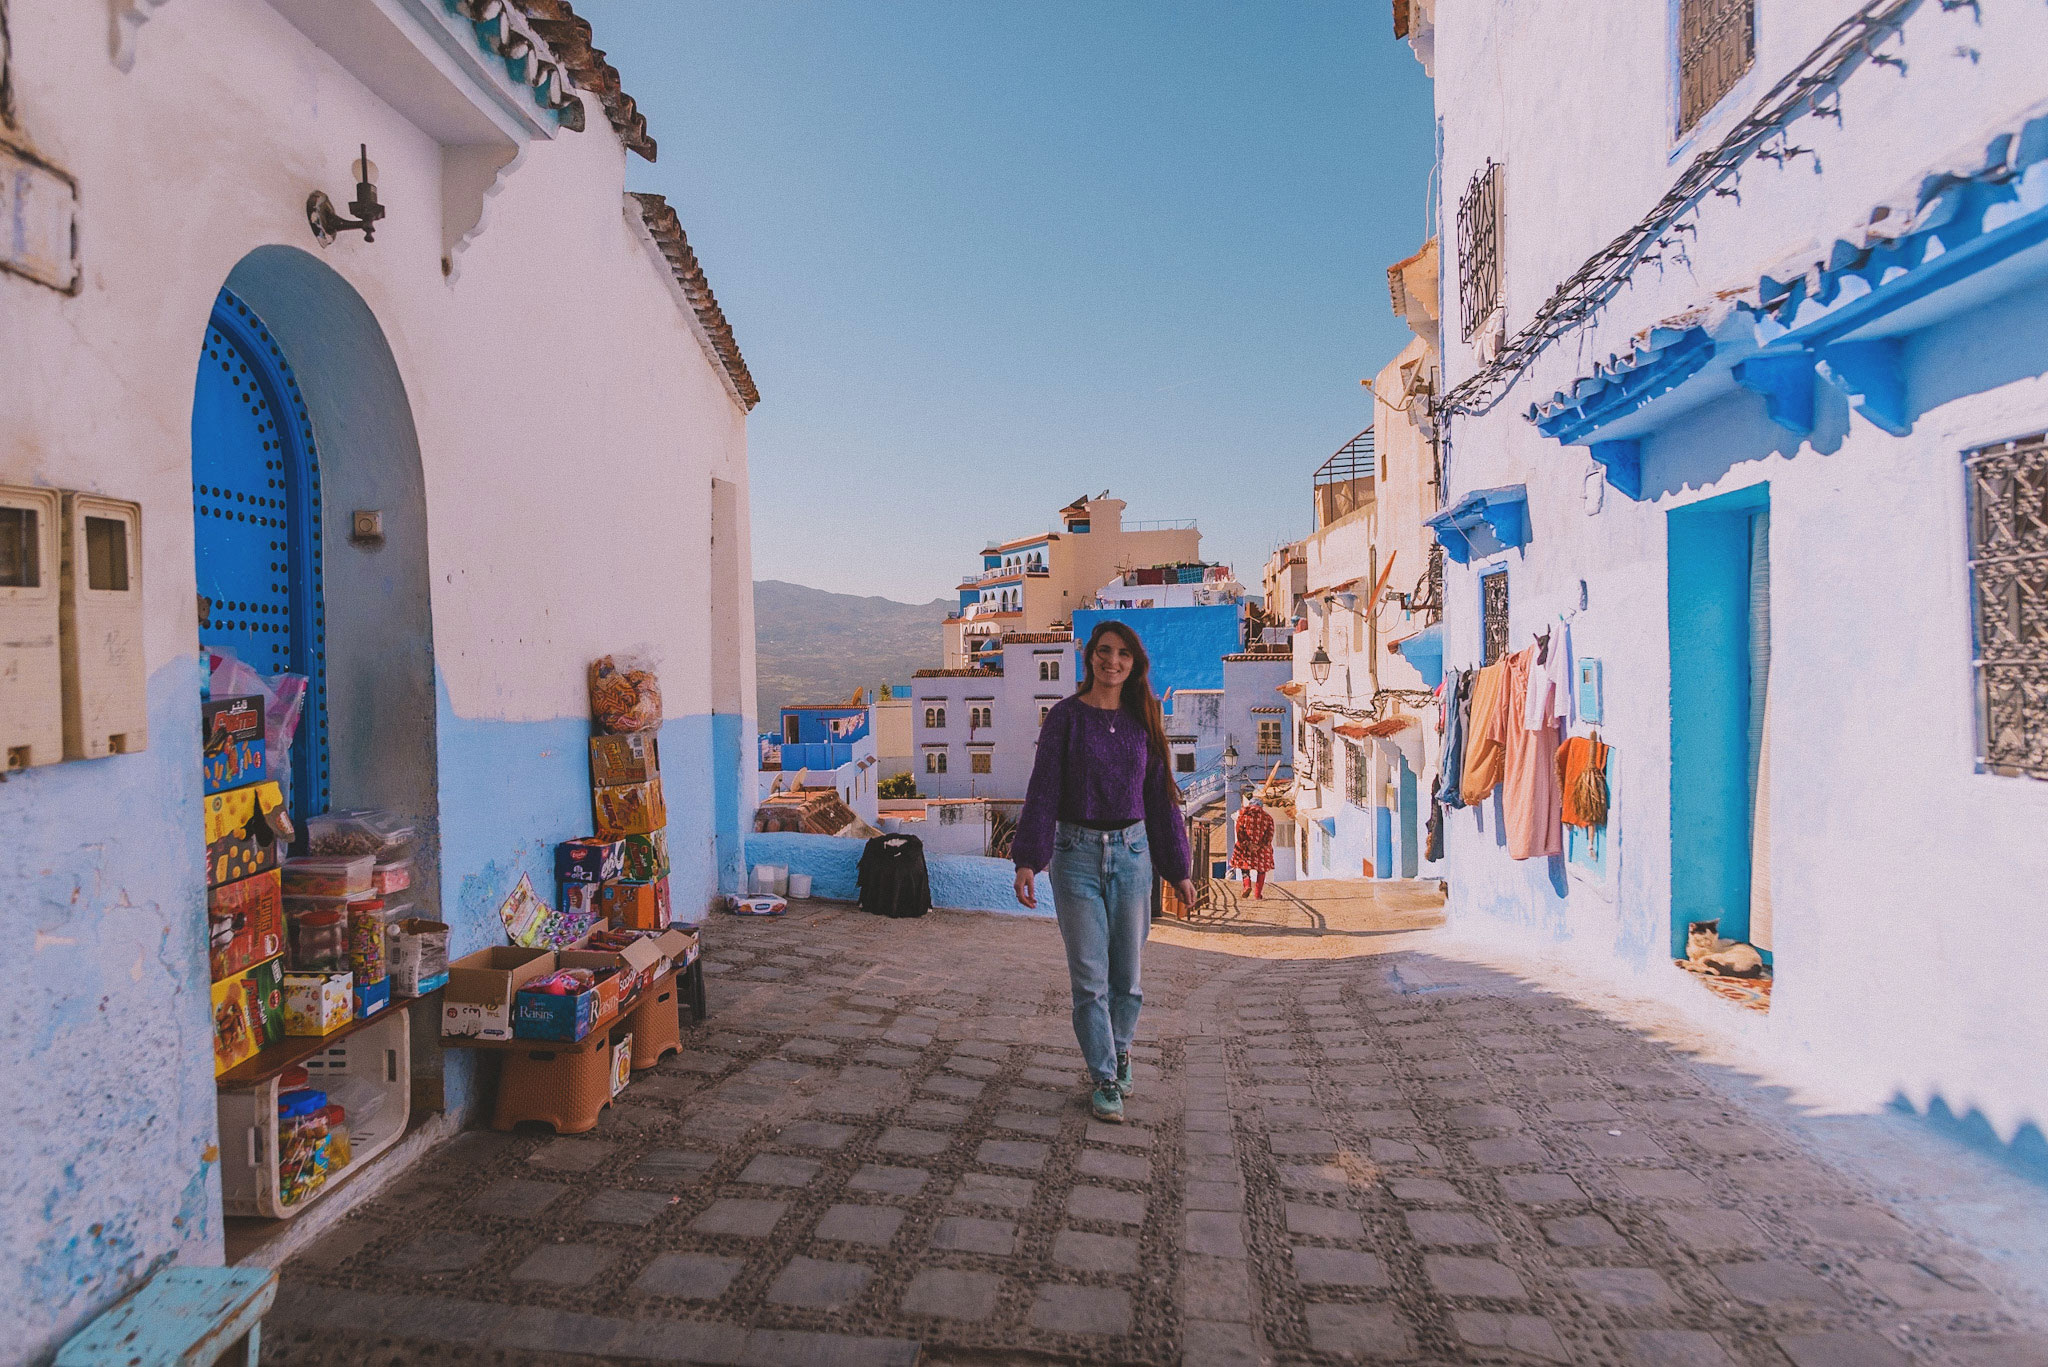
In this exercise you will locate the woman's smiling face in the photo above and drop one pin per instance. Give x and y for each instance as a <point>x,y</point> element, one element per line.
<point>1111,660</point>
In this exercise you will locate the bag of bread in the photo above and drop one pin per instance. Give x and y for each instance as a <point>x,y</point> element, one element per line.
<point>624,695</point>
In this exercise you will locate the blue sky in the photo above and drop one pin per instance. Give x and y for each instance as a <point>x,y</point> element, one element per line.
<point>983,258</point>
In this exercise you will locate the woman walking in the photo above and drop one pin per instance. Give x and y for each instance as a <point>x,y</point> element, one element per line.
<point>1102,813</point>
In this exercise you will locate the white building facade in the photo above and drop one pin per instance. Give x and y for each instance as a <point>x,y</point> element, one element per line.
<point>975,731</point>
<point>501,440</point>
<point>1742,398</point>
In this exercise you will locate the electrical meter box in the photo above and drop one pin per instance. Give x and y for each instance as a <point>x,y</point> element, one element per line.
<point>31,663</point>
<point>106,704</point>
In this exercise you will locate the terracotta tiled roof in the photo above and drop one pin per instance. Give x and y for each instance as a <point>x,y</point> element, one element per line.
<point>1036,637</point>
<point>667,232</point>
<point>567,33</point>
<point>956,674</point>
<point>1245,655</point>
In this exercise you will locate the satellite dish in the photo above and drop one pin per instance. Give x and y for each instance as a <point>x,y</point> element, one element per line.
<point>1104,494</point>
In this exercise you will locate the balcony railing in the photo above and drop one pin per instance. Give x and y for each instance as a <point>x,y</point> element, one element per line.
<point>1171,524</point>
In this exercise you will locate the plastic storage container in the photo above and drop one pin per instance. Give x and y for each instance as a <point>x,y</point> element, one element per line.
<point>363,830</point>
<point>319,942</point>
<point>395,876</point>
<point>374,1058</point>
<point>328,875</point>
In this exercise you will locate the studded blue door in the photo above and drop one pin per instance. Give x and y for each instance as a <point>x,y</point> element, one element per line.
<point>256,521</point>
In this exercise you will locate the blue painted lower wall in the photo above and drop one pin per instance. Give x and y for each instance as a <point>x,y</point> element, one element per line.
<point>106,1089</point>
<point>965,882</point>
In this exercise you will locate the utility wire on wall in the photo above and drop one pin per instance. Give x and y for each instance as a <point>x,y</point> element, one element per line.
<point>1602,276</point>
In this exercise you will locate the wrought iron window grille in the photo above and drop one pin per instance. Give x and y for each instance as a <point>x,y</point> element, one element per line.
<point>1493,616</point>
<point>1716,44</point>
<point>1479,263</point>
<point>1358,788</point>
<point>2008,510</point>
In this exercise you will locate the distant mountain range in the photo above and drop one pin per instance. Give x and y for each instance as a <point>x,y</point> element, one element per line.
<point>814,646</point>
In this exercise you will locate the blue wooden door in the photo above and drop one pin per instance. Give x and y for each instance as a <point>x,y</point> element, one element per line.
<point>256,523</point>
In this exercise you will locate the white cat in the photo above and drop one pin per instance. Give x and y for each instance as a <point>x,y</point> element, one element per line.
<point>1729,958</point>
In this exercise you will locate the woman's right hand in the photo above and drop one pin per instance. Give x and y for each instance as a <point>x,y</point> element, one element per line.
<point>1027,887</point>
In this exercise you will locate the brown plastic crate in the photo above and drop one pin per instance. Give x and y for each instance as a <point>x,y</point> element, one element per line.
<point>565,1086</point>
<point>656,1027</point>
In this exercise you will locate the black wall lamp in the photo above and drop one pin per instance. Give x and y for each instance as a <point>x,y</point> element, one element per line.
<point>328,225</point>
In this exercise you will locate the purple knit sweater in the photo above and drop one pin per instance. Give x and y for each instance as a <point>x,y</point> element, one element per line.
<point>1096,765</point>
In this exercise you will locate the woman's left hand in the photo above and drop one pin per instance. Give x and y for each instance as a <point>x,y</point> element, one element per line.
<point>1186,888</point>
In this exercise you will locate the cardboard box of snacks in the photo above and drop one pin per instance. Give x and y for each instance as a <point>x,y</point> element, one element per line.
<point>246,829</point>
<point>629,809</point>
<point>481,987</point>
<point>588,861</point>
<point>245,924</point>
<point>633,758</point>
<point>647,856</point>
<point>639,906</point>
<point>317,1003</point>
<point>231,732</point>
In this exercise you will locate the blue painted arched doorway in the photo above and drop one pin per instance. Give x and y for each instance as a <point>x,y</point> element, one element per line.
<point>256,523</point>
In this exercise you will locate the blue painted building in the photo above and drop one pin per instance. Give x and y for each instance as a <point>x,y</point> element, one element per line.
<point>1783,513</point>
<point>361,462</point>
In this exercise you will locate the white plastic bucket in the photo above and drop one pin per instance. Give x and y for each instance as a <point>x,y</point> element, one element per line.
<point>799,885</point>
<point>765,876</point>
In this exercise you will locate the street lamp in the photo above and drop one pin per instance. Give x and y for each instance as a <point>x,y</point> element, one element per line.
<point>1229,758</point>
<point>1319,665</point>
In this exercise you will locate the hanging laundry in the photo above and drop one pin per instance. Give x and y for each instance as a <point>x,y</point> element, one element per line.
<point>1550,683</point>
<point>1582,781</point>
<point>1433,832</point>
<point>1533,806</point>
<point>1457,712</point>
<point>1485,734</point>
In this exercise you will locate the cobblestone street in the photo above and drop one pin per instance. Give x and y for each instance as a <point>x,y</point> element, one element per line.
<point>1344,1146</point>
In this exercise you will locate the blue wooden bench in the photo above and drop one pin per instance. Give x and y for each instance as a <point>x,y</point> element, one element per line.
<point>184,1317</point>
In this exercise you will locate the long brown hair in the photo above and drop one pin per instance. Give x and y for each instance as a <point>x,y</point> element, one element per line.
<point>1138,698</point>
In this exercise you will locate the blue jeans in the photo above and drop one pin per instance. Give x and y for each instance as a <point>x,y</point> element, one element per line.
<point>1102,894</point>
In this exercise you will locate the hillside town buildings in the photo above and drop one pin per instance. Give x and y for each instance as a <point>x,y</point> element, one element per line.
<point>1034,583</point>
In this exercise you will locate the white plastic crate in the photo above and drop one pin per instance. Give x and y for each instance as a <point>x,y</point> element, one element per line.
<point>379,1054</point>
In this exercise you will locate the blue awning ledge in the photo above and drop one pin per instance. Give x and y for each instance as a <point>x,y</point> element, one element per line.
<point>1960,236</point>
<point>1425,650</point>
<point>1484,522</point>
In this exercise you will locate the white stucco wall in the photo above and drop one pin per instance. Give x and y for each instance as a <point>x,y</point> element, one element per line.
<point>1900,874</point>
<point>569,426</point>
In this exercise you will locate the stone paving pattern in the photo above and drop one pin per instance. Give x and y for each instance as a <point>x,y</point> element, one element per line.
<point>878,1147</point>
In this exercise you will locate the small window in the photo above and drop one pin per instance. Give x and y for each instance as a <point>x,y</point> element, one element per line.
<point>2008,494</point>
<point>1269,737</point>
<point>1184,762</point>
<point>935,718</point>
<point>935,761</point>
<point>1493,616</point>
<point>1048,671</point>
<point>1044,711</point>
<point>1479,251</point>
<point>1321,740</point>
<point>790,731</point>
<point>980,762</point>
<point>21,553</point>
<point>1716,45</point>
<point>979,717</point>
<point>106,554</point>
<point>1357,790</point>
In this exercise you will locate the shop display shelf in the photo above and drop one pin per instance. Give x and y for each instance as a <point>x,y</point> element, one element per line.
<point>268,1063</point>
<point>377,1051</point>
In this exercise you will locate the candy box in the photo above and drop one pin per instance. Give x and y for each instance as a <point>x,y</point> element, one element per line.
<point>317,1003</point>
<point>246,830</point>
<point>248,1013</point>
<point>372,997</point>
<point>642,906</point>
<point>481,986</point>
<point>624,759</point>
<point>566,1016</point>
<point>245,924</point>
<point>622,1062</point>
<point>583,899</point>
<point>588,860</point>
<point>647,856</point>
<point>629,809</point>
<point>231,731</point>
<point>762,904</point>
<point>633,966</point>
